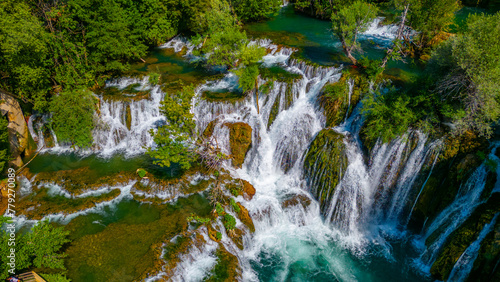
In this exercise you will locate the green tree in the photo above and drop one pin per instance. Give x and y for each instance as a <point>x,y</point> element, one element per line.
<point>350,21</point>
<point>253,10</point>
<point>469,69</point>
<point>430,18</point>
<point>175,140</point>
<point>73,117</point>
<point>387,116</point>
<point>24,54</point>
<point>38,248</point>
<point>223,39</point>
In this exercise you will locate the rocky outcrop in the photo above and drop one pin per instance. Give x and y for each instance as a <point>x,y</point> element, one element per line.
<point>18,130</point>
<point>240,140</point>
<point>325,165</point>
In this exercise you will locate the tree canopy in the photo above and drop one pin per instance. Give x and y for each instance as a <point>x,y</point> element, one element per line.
<point>40,247</point>
<point>349,22</point>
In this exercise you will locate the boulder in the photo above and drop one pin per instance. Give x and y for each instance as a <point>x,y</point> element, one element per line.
<point>240,141</point>
<point>18,130</point>
<point>325,164</point>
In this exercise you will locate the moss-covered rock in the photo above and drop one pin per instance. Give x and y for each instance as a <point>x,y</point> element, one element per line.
<point>245,218</point>
<point>240,140</point>
<point>334,98</point>
<point>325,164</point>
<point>461,238</point>
<point>227,267</point>
<point>486,264</point>
<point>248,190</point>
<point>456,163</point>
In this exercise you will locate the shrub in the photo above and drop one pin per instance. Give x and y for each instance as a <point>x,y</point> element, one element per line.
<point>229,222</point>
<point>235,206</point>
<point>218,235</point>
<point>141,172</point>
<point>219,209</point>
<point>387,116</point>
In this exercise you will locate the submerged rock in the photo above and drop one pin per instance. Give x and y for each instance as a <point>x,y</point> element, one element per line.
<point>325,164</point>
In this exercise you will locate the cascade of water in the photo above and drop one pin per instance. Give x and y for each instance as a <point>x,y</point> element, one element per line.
<point>463,266</point>
<point>377,192</point>
<point>273,164</point>
<point>466,201</point>
<point>125,126</point>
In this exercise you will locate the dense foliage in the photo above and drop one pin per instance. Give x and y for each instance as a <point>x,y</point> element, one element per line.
<point>459,91</point>
<point>39,247</point>
<point>73,117</point>
<point>252,10</point>
<point>175,140</point>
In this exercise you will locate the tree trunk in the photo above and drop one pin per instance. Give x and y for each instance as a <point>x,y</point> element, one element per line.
<point>399,34</point>
<point>351,57</point>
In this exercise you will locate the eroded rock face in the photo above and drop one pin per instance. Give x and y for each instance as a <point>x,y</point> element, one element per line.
<point>18,130</point>
<point>240,140</point>
<point>325,165</point>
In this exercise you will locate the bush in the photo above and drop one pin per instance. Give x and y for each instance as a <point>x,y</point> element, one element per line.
<point>219,209</point>
<point>218,235</point>
<point>387,116</point>
<point>229,222</point>
<point>141,172</point>
<point>371,68</point>
<point>73,117</point>
<point>235,206</point>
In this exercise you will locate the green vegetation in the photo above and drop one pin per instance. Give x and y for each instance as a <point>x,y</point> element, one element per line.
<point>40,247</point>
<point>73,117</point>
<point>460,88</point>
<point>252,10</point>
<point>218,235</point>
<point>141,172</point>
<point>199,220</point>
<point>349,22</point>
<point>235,206</point>
<point>4,144</point>
<point>219,209</point>
<point>55,278</point>
<point>229,222</point>
<point>175,139</point>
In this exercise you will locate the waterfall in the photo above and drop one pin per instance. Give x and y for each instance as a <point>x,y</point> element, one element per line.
<point>122,125</point>
<point>466,201</point>
<point>281,134</point>
<point>463,266</point>
<point>377,192</point>
<point>125,125</point>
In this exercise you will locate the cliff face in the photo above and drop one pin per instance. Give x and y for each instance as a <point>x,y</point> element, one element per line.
<point>18,130</point>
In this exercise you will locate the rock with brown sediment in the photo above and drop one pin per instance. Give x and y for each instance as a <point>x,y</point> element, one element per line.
<point>245,218</point>
<point>17,128</point>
